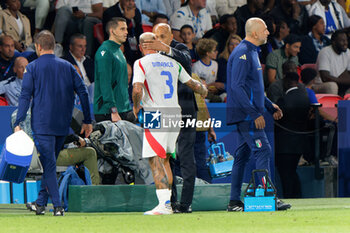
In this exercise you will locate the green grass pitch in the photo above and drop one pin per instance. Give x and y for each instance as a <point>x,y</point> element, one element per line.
<point>306,215</point>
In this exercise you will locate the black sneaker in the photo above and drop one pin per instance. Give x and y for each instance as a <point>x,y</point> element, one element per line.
<point>182,209</point>
<point>58,211</point>
<point>31,206</point>
<point>283,206</point>
<point>235,206</point>
<point>39,210</point>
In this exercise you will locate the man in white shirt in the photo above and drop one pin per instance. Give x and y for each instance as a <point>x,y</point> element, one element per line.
<point>194,14</point>
<point>333,64</point>
<point>74,16</point>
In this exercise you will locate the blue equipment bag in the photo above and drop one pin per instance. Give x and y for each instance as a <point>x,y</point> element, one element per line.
<point>260,198</point>
<point>74,175</point>
<point>220,162</point>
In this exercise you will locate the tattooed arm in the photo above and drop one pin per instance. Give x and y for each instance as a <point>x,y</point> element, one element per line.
<point>136,97</point>
<point>197,87</point>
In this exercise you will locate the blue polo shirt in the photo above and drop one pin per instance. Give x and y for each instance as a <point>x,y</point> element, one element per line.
<point>51,82</point>
<point>245,85</point>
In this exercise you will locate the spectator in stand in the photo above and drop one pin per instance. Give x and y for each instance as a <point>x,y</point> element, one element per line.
<point>12,86</point>
<point>160,18</point>
<point>282,31</point>
<point>77,16</point>
<point>228,25</point>
<point>187,35</point>
<point>314,41</point>
<point>275,90</point>
<point>42,8</point>
<point>294,14</point>
<point>253,8</point>
<point>83,64</point>
<point>127,10</point>
<point>171,6</point>
<point>207,68</point>
<point>275,59</point>
<point>333,64</point>
<point>230,45</point>
<point>149,9</point>
<point>224,7</point>
<point>7,56</point>
<point>193,13</point>
<point>16,25</point>
<point>333,15</point>
<point>211,8</point>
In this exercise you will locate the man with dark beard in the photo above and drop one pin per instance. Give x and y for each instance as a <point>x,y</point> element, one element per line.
<point>333,64</point>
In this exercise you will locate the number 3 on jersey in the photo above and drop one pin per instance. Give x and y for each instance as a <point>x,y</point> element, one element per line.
<point>168,82</point>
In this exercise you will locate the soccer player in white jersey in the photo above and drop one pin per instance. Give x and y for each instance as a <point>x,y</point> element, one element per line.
<point>155,84</point>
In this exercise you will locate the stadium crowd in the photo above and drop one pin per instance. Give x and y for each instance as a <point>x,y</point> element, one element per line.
<point>302,35</point>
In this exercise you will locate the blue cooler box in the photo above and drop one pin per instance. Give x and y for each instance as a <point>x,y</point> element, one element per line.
<point>15,157</point>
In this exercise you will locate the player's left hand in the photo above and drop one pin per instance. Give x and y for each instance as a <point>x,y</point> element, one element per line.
<point>278,114</point>
<point>87,128</point>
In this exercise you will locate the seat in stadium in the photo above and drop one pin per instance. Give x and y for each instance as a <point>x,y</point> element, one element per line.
<point>98,32</point>
<point>329,103</point>
<point>347,97</point>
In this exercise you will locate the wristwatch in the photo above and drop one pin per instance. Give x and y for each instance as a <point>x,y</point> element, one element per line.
<point>114,110</point>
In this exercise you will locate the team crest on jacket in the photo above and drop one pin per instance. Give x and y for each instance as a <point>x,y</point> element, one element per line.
<point>258,143</point>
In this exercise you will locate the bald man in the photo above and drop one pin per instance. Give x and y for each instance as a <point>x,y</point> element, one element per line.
<point>246,104</point>
<point>185,161</point>
<point>12,87</point>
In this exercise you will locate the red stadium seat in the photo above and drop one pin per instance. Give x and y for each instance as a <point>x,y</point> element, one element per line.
<point>329,102</point>
<point>3,101</point>
<point>347,97</point>
<point>309,65</point>
<point>98,32</point>
<point>147,28</point>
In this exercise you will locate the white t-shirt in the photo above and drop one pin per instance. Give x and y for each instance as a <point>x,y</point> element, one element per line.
<point>83,5</point>
<point>184,15</point>
<point>206,72</point>
<point>20,27</point>
<point>336,64</point>
<point>160,75</point>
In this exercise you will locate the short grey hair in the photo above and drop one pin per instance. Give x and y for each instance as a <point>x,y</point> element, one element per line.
<point>147,36</point>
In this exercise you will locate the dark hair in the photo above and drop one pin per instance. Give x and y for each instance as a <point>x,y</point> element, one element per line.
<point>186,26</point>
<point>312,21</point>
<point>278,26</point>
<point>307,75</point>
<point>76,36</point>
<point>291,39</point>
<point>2,38</point>
<point>161,16</point>
<point>113,23</point>
<point>223,19</point>
<point>45,39</point>
<point>291,76</point>
<point>336,34</point>
<point>288,66</point>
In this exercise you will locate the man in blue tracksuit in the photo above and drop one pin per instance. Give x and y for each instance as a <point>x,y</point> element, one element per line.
<point>51,82</point>
<point>246,104</point>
